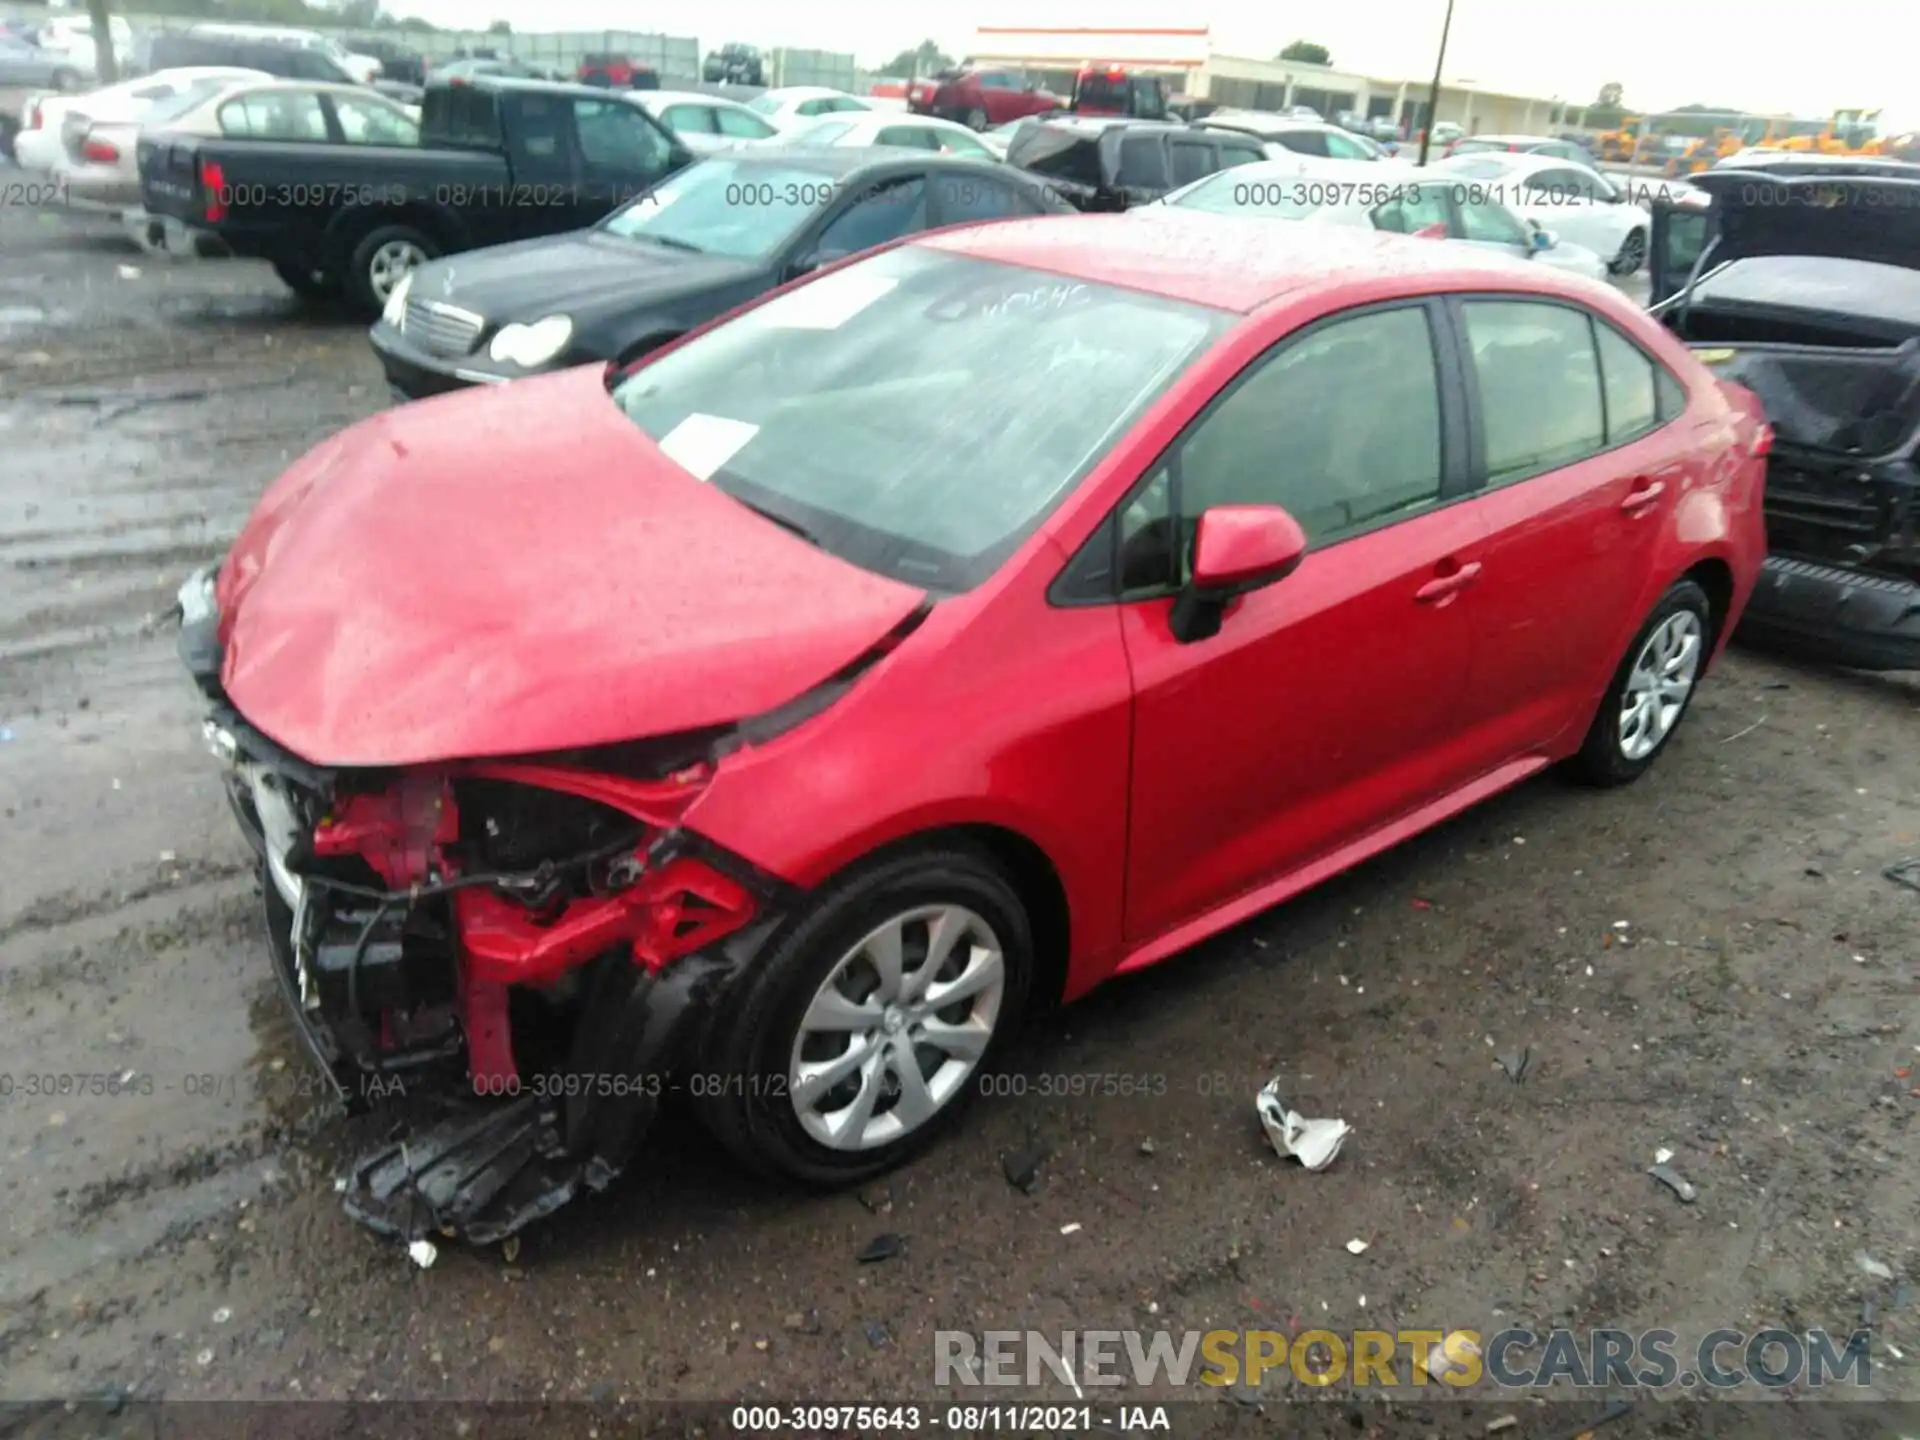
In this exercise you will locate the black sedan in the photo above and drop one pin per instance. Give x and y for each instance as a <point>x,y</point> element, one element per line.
<point>705,241</point>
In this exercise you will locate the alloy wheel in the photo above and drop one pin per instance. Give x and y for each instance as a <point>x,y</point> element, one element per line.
<point>389,263</point>
<point>1659,683</point>
<point>1633,251</point>
<point>897,1028</point>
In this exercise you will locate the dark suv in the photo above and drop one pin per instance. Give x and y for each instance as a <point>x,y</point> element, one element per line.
<point>286,59</point>
<point>1096,164</point>
<point>734,64</point>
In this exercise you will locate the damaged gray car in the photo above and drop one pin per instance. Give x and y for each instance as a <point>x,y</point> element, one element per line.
<point>1799,278</point>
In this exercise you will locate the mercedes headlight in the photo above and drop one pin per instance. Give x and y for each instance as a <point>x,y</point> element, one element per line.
<point>395,313</point>
<point>531,346</point>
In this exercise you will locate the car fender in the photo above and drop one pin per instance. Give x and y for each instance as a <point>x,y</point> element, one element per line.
<point>998,711</point>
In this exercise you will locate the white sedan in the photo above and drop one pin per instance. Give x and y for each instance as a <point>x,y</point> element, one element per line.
<point>792,106</point>
<point>1399,202</point>
<point>1571,200</point>
<point>58,133</point>
<point>915,132</point>
<point>705,123</point>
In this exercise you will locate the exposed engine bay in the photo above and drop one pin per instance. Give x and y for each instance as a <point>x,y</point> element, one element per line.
<point>517,947</point>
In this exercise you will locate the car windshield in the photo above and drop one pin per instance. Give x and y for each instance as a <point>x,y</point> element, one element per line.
<point>722,207</point>
<point>1279,195</point>
<point>917,413</point>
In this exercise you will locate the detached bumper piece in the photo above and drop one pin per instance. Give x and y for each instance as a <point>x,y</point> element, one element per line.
<point>1839,615</point>
<point>480,1176</point>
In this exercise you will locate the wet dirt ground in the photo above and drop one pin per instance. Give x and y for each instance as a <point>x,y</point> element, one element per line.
<point>1710,961</point>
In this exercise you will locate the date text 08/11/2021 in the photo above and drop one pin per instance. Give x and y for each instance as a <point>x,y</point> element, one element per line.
<point>960,1419</point>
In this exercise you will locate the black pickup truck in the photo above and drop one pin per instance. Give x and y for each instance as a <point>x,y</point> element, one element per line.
<point>499,159</point>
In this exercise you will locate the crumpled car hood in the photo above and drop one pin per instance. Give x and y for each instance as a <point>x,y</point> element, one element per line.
<point>515,570</point>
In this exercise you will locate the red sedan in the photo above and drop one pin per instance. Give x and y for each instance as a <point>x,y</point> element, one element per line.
<point>965,624</point>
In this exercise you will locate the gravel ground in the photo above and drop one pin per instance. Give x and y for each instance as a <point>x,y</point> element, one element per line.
<point>1711,961</point>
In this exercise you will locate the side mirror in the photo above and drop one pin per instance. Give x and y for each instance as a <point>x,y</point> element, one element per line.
<point>805,264</point>
<point>1541,240</point>
<point>1236,549</point>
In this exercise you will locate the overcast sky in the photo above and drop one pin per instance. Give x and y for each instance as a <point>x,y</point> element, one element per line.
<point>1759,54</point>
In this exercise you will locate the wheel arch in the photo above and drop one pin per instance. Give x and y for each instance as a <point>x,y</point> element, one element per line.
<point>1715,576</point>
<point>356,222</point>
<point>1027,868</point>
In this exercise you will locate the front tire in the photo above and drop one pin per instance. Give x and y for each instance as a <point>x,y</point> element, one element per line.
<point>976,119</point>
<point>1650,692</point>
<point>383,255</point>
<point>862,1033</point>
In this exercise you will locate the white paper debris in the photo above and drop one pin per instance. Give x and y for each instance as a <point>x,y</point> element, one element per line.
<point>1069,1229</point>
<point>129,272</point>
<point>1314,1143</point>
<point>701,444</point>
<point>1356,1247</point>
<point>222,1315</point>
<point>423,1253</point>
<point>1450,1354</point>
<point>827,303</point>
<point>1878,1269</point>
<point>1662,1155</point>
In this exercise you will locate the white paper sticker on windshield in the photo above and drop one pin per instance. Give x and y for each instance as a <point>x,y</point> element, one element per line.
<point>826,304</point>
<point>701,444</point>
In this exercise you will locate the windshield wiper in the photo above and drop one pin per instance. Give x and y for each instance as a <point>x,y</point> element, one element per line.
<point>792,526</point>
<point>672,242</point>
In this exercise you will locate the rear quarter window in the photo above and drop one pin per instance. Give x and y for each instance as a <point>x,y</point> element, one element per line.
<point>1143,162</point>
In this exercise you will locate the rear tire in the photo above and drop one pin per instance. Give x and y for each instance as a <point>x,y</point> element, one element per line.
<point>976,119</point>
<point>381,257</point>
<point>1650,693</point>
<point>1633,254</point>
<point>749,1092</point>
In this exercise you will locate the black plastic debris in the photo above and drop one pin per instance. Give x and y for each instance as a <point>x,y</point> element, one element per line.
<point>1022,1168</point>
<point>882,1247</point>
<point>1906,872</point>
<point>1516,1063</point>
<point>1673,1180</point>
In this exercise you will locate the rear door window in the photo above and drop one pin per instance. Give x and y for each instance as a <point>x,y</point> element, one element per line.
<point>1239,152</point>
<point>1539,382</point>
<point>884,212</point>
<point>742,124</point>
<point>691,120</point>
<point>365,123</point>
<point>1303,142</point>
<point>616,137</point>
<point>1345,147</point>
<point>1192,160</point>
<point>914,137</point>
<point>275,115</point>
<point>1629,380</point>
<point>1143,162</point>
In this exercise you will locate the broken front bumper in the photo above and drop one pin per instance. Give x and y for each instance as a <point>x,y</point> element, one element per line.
<point>402,993</point>
<point>1827,612</point>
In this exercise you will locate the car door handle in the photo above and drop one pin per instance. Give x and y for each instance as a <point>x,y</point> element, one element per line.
<point>1452,583</point>
<point>1643,494</point>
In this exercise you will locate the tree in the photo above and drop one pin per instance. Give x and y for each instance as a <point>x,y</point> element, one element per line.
<point>1609,110</point>
<point>106,63</point>
<point>500,27</point>
<point>1307,53</point>
<point>924,59</point>
<point>1612,95</point>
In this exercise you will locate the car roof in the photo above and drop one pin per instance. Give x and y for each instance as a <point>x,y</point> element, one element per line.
<point>1226,261</point>
<point>1518,139</point>
<point>1264,119</point>
<point>482,80</point>
<point>1097,124</point>
<point>685,97</point>
<point>844,160</point>
<point>1518,161</point>
<point>803,92</point>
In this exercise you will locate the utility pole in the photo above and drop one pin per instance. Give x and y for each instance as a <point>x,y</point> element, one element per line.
<point>106,63</point>
<point>1433,93</point>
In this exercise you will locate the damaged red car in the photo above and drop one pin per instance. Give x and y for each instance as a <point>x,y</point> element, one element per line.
<point>776,722</point>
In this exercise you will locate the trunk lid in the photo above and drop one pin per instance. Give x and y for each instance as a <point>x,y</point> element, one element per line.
<point>1848,210</point>
<point>518,570</point>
